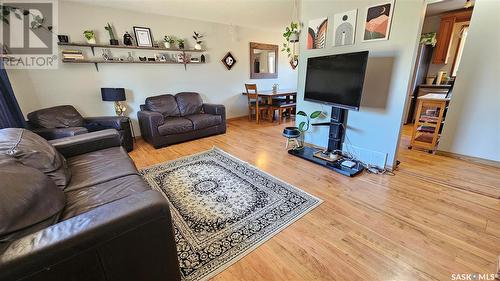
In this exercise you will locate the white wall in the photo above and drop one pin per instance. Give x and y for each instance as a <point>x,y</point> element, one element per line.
<point>374,131</point>
<point>80,84</point>
<point>473,122</point>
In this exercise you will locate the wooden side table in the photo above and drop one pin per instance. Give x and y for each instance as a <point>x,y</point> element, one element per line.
<point>431,111</point>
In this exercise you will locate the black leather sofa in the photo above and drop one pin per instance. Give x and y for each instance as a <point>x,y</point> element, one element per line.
<point>65,121</point>
<point>168,119</point>
<point>104,221</point>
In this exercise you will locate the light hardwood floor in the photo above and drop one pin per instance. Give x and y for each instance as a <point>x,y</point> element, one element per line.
<point>435,217</point>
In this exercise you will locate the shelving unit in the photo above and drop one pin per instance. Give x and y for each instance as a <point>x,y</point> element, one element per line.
<point>431,112</point>
<point>103,46</point>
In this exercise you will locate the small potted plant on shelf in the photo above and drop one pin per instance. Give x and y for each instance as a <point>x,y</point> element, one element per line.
<point>168,41</point>
<point>112,39</point>
<point>90,36</point>
<point>197,38</point>
<point>180,43</point>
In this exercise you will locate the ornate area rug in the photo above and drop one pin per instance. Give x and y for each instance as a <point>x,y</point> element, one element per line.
<point>223,208</point>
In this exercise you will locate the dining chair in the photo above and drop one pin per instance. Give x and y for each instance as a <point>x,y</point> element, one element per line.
<point>282,106</point>
<point>255,103</point>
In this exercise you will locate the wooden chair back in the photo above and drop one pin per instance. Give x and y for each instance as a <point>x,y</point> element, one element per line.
<point>251,91</point>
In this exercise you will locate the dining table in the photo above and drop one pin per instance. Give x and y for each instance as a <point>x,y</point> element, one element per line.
<point>268,95</point>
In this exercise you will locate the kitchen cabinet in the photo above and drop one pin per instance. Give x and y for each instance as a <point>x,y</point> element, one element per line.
<point>444,36</point>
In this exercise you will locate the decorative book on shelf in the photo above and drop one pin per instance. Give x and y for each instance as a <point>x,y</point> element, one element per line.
<point>72,55</point>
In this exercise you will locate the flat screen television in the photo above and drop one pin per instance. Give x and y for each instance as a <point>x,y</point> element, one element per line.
<point>336,80</point>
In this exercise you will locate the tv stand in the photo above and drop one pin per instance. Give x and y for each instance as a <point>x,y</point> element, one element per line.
<point>335,140</point>
<point>307,153</point>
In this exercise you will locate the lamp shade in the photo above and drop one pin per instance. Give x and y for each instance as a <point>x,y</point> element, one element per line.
<point>113,94</point>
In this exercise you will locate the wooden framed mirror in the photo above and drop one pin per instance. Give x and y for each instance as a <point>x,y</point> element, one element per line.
<point>263,61</point>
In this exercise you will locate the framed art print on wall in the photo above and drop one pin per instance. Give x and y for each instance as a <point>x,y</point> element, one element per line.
<point>143,36</point>
<point>316,33</point>
<point>228,60</point>
<point>378,22</point>
<point>344,28</point>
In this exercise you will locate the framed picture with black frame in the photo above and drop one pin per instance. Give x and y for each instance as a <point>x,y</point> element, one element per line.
<point>143,36</point>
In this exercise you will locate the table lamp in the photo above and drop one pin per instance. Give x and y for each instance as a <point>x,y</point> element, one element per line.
<point>117,95</point>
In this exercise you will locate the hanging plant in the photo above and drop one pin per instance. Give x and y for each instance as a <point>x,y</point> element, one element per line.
<point>291,36</point>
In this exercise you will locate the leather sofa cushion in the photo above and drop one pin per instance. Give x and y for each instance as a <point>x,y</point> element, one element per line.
<point>62,116</point>
<point>88,198</point>
<point>99,166</point>
<point>29,200</point>
<point>175,125</point>
<point>202,121</point>
<point>34,151</point>
<point>164,104</point>
<point>189,103</point>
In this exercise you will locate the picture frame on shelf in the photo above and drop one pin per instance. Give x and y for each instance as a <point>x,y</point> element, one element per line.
<point>143,36</point>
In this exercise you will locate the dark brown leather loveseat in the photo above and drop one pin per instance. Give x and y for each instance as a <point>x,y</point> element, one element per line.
<point>169,119</point>
<point>65,121</point>
<point>80,212</point>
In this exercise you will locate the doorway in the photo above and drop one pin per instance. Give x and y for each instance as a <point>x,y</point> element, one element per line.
<point>443,36</point>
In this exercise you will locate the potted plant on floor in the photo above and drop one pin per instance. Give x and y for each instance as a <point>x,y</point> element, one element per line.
<point>90,36</point>
<point>168,41</point>
<point>305,125</point>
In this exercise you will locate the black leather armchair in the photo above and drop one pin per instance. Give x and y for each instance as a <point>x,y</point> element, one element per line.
<point>65,121</point>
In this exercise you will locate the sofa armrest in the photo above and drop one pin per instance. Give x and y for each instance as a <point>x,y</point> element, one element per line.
<point>115,122</point>
<point>215,109</point>
<point>132,239</point>
<point>57,133</point>
<point>149,122</point>
<point>81,144</point>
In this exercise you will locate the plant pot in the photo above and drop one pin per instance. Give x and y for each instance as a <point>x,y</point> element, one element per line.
<point>167,45</point>
<point>197,46</point>
<point>91,41</point>
<point>113,42</point>
<point>294,37</point>
<point>294,63</point>
<point>181,46</point>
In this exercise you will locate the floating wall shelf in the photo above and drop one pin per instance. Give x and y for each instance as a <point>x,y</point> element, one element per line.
<point>96,62</point>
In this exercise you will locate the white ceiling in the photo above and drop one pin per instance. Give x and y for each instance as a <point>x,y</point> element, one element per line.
<point>438,7</point>
<point>265,14</point>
